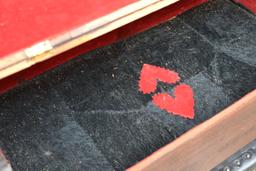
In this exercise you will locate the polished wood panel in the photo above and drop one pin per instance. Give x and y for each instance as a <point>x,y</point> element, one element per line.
<point>209,143</point>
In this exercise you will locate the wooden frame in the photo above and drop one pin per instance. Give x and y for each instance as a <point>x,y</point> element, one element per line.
<point>210,143</point>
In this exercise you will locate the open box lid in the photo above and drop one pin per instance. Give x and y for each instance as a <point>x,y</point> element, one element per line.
<point>34,31</point>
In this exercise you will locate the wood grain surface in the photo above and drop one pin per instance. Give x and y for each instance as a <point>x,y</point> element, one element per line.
<point>210,143</point>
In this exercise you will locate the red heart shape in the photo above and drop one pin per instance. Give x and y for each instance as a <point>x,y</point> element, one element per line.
<point>182,104</point>
<point>150,74</point>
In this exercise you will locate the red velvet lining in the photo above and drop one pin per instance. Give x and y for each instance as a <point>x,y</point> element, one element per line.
<point>118,34</point>
<point>25,22</point>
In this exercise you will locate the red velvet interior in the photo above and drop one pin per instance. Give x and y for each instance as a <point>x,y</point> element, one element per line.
<point>118,34</point>
<point>25,22</point>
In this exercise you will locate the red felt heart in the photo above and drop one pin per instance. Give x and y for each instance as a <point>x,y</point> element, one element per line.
<point>181,104</point>
<point>150,74</point>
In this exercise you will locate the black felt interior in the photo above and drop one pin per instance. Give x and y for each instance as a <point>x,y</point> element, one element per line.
<point>88,113</point>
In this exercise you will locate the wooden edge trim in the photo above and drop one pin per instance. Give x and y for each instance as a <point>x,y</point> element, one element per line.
<point>209,143</point>
<point>50,48</point>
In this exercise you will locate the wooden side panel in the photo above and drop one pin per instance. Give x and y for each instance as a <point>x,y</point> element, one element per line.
<point>210,143</point>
